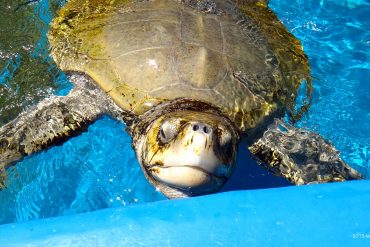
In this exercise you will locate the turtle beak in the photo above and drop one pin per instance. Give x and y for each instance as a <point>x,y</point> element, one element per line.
<point>190,163</point>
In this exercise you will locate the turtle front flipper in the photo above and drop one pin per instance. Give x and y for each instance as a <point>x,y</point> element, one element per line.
<point>301,156</point>
<point>51,122</point>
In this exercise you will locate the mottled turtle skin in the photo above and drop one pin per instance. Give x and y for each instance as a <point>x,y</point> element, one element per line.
<point>191,79</point>
<point>143,53</point>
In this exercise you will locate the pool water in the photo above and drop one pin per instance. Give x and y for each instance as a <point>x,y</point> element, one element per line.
<point>336,37</point>
<point>27,74</point>
<point>98,169</point>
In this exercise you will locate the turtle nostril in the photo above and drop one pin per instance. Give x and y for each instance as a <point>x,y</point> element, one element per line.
<point>202,127</point>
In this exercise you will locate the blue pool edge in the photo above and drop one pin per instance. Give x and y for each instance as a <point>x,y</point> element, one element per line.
<point>333,214</point>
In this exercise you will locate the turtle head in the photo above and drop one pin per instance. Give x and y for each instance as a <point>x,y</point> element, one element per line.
<point>187,153</point>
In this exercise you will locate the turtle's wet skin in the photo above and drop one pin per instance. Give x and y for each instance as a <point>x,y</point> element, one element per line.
<point>188,149</point>
<point>190,79</point>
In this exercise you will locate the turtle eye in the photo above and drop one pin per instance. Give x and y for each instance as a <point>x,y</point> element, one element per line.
<point>167,132</point>
<point>224,136</point>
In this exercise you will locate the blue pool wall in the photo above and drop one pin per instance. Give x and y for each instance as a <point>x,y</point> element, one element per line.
<point>334,214</point>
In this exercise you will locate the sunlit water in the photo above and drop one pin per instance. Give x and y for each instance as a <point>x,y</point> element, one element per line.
<point>336,37</point>
<point>27,74</point>
<point>98,169</point>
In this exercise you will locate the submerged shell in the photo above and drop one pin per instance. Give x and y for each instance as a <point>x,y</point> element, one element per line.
<point>240,58</point>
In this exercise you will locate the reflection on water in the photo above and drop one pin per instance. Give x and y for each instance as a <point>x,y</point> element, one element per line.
<point>95,170</point>
<point>27,74</point>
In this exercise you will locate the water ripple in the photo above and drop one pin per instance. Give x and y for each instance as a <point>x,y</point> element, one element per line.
<point>335,36</point>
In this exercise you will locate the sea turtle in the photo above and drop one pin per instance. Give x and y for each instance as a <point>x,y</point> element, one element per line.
<point>191,79</point>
